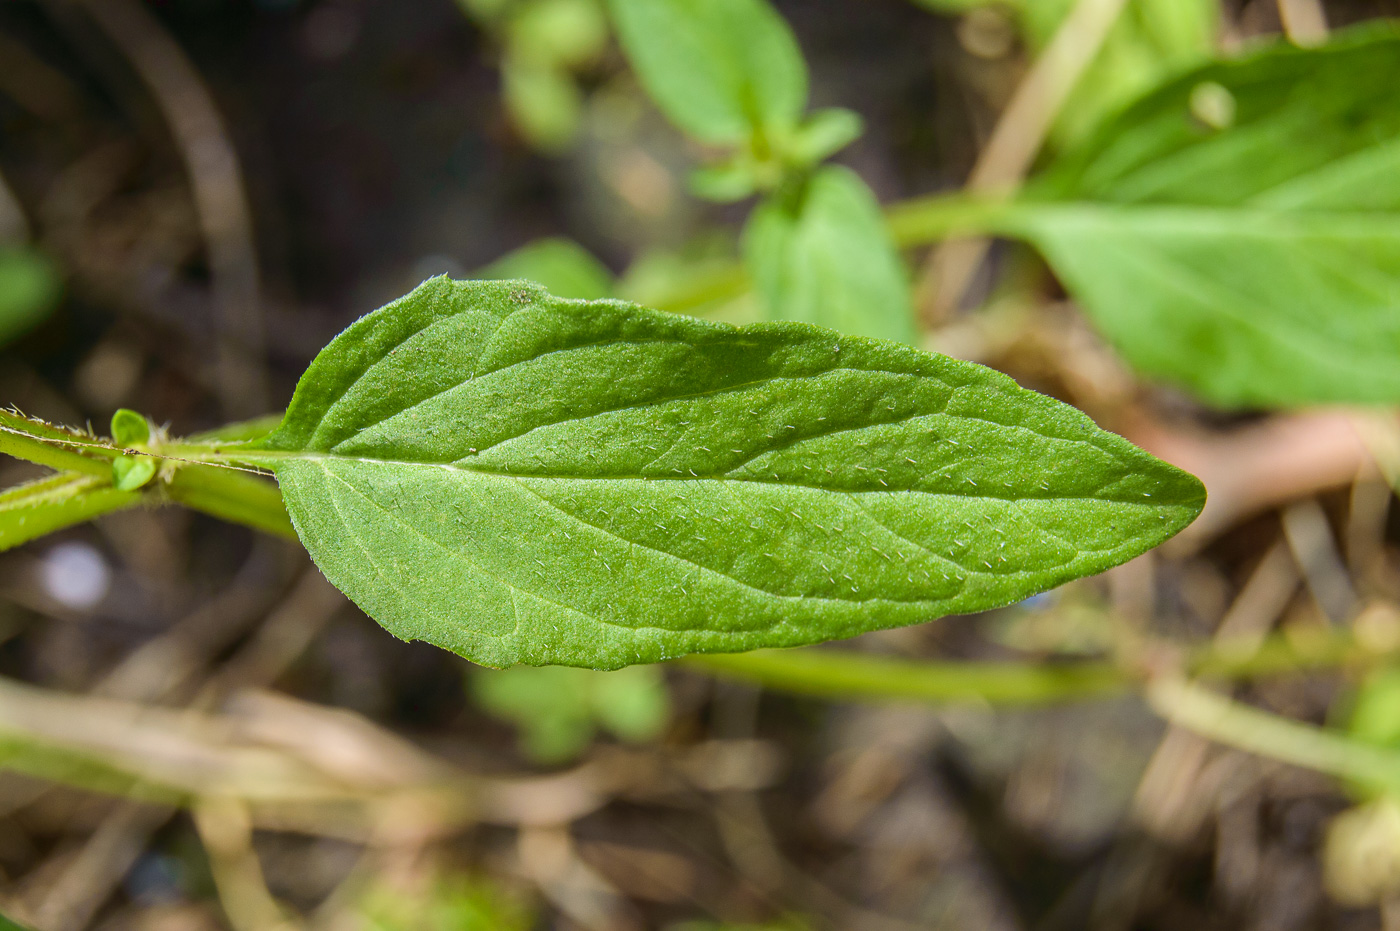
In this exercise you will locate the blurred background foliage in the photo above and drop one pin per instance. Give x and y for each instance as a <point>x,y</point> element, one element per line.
<point>198,733</point>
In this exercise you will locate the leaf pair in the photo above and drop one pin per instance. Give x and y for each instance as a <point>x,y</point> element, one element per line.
<point>729,72</point>
<point>96,477</point>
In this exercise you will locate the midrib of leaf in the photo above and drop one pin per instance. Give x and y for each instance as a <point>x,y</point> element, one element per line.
<point>1306,191</point>
<point>271,458</point>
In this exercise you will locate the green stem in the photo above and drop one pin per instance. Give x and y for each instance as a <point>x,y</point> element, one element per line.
<point>39,443</point>
<point>233,496</point>
<point>1221,719</point>
<point>925,220</point>
<point>844,674</point>
<point>847,675</point>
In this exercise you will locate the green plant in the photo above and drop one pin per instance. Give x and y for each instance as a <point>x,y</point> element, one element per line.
<point>547,475</point>
<point>558,709</point>
<point>520,478</point>
<point>29,288</point>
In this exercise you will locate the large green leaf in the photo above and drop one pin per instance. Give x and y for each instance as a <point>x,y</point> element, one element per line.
<point>1238,231</point>
<point>722,70</point>
<point>823,255</point>
<point>521,478</point>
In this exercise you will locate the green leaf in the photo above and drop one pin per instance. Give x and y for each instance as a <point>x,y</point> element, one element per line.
<point>8,925</point>
<point>825,133</point>
<point>130,428</point>
<point>40,507</point>
<point>543,101</point>
<point>1257,264</point>
<point>1150,41</point>
<point>823,255</point>
<point>29,288</point>
<point>131,472</point>
<point>558,709</point>
<point>725,182</point>
<point>455,903</point>
<point>560,266</point>
<point>724,71</point>
<point>562,33</point>
<point>520,478</point>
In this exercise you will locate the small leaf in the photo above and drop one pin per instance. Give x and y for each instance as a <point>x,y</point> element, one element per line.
<point>521,478</point>
<point>1256,264</point>
<point>825,133</point>
<point>724,71</point>
<point>132,472</point>
<point>37,508</point>
<point>725,182</point>
<point>560,266</point>
<point>558,709</point>
<point>130,428</point>
<point>443,903</point>
<point>825,256</point>
<point>561,33</point>
<point>544,103</point>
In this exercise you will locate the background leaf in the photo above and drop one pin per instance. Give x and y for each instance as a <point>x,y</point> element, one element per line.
<point>520,478</point>
<point>1258,264</point>
<point>29,287</point>
<point>560,266</point>
<point>823,255</point>
<point>558,709</point>
<point>721,70</point>
<point>1151,41</point>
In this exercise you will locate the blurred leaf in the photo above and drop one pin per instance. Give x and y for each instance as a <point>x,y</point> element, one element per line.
<point>543,101</point>
<point>521,478</point>
<point>785,924</point>
<point>8,925</point>
<point>1257,264</point>
<point>558,708</point>
<point>697,280</point>
<point>560,266</point>
<point>957,6</point>
<point>725,182</point>
<point>823,255</point>
<point>1152,40</point>
<point>1361,856</point>
<point>455,904</point>
<point>485,11</point>
<point>824,133</point>
<point>561,33</point>
<point>724,71</point>
<point>37,508</point>
<point>542,41</point>
<point>29,288</point>
<point>1375,719</point>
